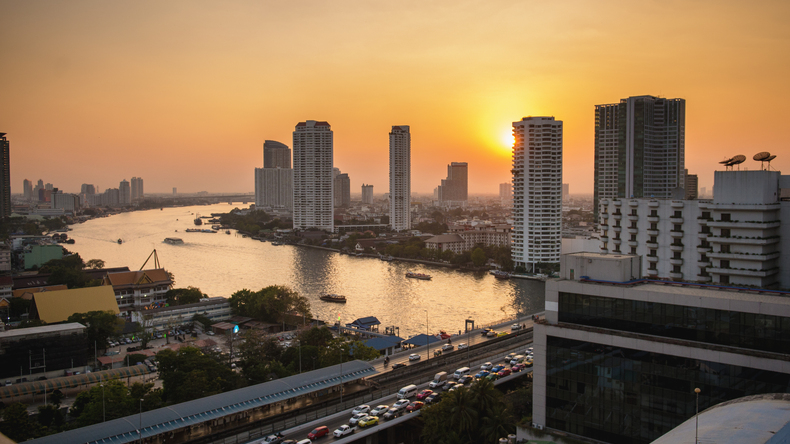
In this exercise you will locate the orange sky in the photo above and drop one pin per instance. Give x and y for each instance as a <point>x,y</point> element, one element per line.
<point>183,93</point>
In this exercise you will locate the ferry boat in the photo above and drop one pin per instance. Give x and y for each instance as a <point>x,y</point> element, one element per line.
<point>333,298</point>
<point>425,277</point>
<point>173,240</point>
<point>227,231</point>
<point>198,220</point>
<point>120,241</point>
<point>499,274</point>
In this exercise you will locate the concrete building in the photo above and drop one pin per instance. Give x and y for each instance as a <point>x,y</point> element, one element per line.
<point>617,360</point>
<point>38,255</point>
<point>274,188</point>
<point>5,176</point>
<point>217,309</point>
<point>639,148</point>
<point>537,191</point>
<point>139,290</point>
<point>692,186</point>
<point>276,155</point>
<point>342,190</point>
<point>454,191</point>
<point>506,194</point>
<point>175,191</point>
<point>484,234</point>
<point>65,201</point>
<point>5,257</point>
<point>137,188</point>
<point>313,163</point>
<point>37,350</point>
<point>367,194</point>
<point>566,192</point>
<point>741,237</point>
<point>445,242</point>
<point>400,178</point>
<point>124,193</point>
<point>27,187</point>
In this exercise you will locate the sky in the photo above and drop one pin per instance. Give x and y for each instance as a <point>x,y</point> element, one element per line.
<point>183,93</point>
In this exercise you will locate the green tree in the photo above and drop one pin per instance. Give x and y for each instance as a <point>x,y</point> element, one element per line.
<point>102,325</point>
<point>183,296</point>
<point>17,424</point>
<point>95,264</point>
<point>317,336</point>
<point>189,374</point>
<point>50,417</point>
<point>478,257</point>
<point>203,320</point>
<point>269,304</point>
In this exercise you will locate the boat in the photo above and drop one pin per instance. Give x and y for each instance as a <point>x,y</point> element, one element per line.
<point>425,277</point>
<point>499,274</point>
<point>333,298</point>
<point>173,240</point>
<point>276,243</point>
<point>387,258</point>
<point>198,220</point>
<point>227,231</point>
<point>120,241</point>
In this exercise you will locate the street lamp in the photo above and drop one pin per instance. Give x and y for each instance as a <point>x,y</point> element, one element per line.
<point>103,415</point>
<point>427,338</point>
<point>140,429</point>
<point>300,355</point>
<point>341,374</point>
<point>696,418</point>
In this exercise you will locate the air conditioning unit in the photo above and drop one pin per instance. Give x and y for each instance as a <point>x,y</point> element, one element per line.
<point>537,426</point>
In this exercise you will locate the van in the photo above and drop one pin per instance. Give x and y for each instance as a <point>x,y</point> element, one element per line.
<point>407,392</point>
<point>438,380</point>
<point>461,372</point>
<point>518,359</point>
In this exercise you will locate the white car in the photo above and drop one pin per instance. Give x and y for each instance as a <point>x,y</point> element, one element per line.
<point>343,431</point>
<point>364,408</point>
<point>487,366</point>
<point>273,439</point>
<point>355,419</point>
<point>462,346</point>
<point>515,327</point>
<point>401,404</point>
<point>447,347</point>
<point>414,357</point>
<point>379,410</point>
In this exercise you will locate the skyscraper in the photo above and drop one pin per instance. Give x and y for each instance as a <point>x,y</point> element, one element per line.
<point>367,194</point>
<point>566,191</point>
<point>454,189</point>
<point>342,190</point>
<point>27,186</point>
<point>537,191</point>
<point>5,176</point>
<point>506,193</point>
<point>313,162</point>
<point>87,189</point>
<point>691,185</point>
<point>124,193</point>
<point>274,188</point>
<point>137,188</point>
<point>400,178</point>
<point>639,148</point>
<point>276,155</point>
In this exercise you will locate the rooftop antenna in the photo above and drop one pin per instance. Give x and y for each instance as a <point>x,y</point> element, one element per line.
<point>769,159</point>
<point>156,260</point>
<point>737,160</point>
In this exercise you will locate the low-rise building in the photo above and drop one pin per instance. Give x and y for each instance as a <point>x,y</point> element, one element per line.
<point>56,306</point>
<point>137,290</point>
<point>38,255</point>
<point>445,242</point>
<point>216,309</point>
<point>35,350</point>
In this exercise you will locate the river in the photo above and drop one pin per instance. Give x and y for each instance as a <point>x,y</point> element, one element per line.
<point>220,264</point>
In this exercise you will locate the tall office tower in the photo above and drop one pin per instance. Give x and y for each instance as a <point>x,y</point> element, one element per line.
<point>537,191</point>
<point>137,188</point>
<point>566,192</point>
<point>274,187</point>
<point>342,190</point>
<point>87,189</point>
<point>639,148</point>
<point>312,162</point>
<point>27,186</point>
<point>692,185</point>
<point>124,193</point>
<point>367,194</point>
<point>5,177</point>
<point>276,155</point>
<point>400,178</point>
<point>506,193</point>
<point>454,189</point>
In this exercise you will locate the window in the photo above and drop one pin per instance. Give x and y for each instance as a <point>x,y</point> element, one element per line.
<point>725,217</point>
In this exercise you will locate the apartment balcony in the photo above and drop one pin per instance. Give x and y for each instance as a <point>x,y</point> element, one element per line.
<point>617,216</point>
<point>633,217</point>
<point>743,240</point>
<point>705,263</point>
<point>677,204</point>
<point>633,230</point>
<point>676,234</point>
<point>617,241</point>
<point>677,247</point>
<point>704,249</point>
<point>617,229</point>
<point>744,224</point>
<point>652,245</point>
<point>633,243</point>
<point>674,275</point>
<point>676,261</point>
<point>704,278</point>
<point>652,232</point>
<point>744,256</point>
<point>653,219</point>
<point>604,238</point>
<point>652,258</point>
<point>604,250</point>
<point>604,226</point>
<point>653,204</point>
<point>633,203</point>
<point>743,272</point>
<point>617,202</point>
<point>703,235</point>
<point>652,273</point>
<point>604,202</point>
<point>676,220</point>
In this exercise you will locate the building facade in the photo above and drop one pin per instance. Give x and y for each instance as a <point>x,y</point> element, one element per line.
<point>27,187</point>
<point>619,363</point>
<point>367,194</point>
<point>342,190</point>
<point>276,155</point>
<point>274,188</point>
<point>37,350</point>
<point>164,318</point>
<point>537,192</point>
<point>66,201</point>
<point>137,189</point>
<point>400,178</point>
<point>124,193</point>
<point>692,186</point>
<point>312,164</point>
<point>506,194</point>
<point>639,148</point>
<point>139,290</point>
<point>5,176</point>
<point>455,189</point>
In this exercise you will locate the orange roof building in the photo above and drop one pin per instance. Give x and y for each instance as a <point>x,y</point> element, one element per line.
<point>137,290</point>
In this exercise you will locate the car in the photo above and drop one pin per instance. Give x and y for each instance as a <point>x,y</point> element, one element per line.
<point>517,368</point>
<point>530,350</point>
<point>273,439</point>
<point>491,334</point>
<point>401,404</point>
<point>510,356</point>
<point>486,331</point>
<point>368,421</point>
<point>463,346</point>
<point>414,406</point>
<point>448,347</point>
<point>379,410</point>
<point>493,376</point>
<point>497,368</point>
<point>424,394</point>
<point>434,397</point>
<point>482,374</point>
<point>356,418</point>
<point>504,372</point>
<point>468,379</point>
<point>364,408</point>
<point>449,385</point>
<point>398,365</point>
<point>392,413</point>
<point>210,333</point>
<point>501,333</point>
<point>486,366</point>
<point>343,431</point>
<point>318,432</point>
<point>414,357</point>
<point>515,327</point>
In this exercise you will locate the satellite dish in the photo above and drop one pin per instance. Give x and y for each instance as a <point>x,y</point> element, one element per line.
<point>725,162</point>
<point>761,157</point>
<point>770,158</point>
<point>739,159</point>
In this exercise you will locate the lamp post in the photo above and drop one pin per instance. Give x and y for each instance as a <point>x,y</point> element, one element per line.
<point>300,355</point>
<point>427,336</point>
<point>103,414</point>
<point>140,429</point>
<point>696,418</point>
<point>341,374</point>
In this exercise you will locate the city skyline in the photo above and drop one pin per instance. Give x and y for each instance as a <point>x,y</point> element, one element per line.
<point>129,82</point>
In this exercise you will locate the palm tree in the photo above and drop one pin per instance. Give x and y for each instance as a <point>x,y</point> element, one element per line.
<point>463,414</point>
<point>497,423</point>
<point>485,395</point>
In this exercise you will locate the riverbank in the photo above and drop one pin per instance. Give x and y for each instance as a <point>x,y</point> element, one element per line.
<point>376,256</point>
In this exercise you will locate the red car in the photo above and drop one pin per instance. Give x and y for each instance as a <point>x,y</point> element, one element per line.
<point>424,394</point>
<point>504,372</point>
<point>318,432</point>
<point>414,406</point>
<point>516,368</point>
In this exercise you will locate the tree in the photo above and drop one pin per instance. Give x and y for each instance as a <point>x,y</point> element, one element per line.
<point>95,264</point>
<point>478,257</point>
<point>183,296</point>
<point>68,271</point>
<point>17,424</point>
<point>203,320</point>
<point>317,336</point>
<point>102,325</point>
<point>189,374</point>
<point>269,304</point>
<point>114,400</point>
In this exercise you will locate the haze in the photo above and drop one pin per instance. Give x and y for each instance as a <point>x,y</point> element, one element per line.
<point>183,93</point>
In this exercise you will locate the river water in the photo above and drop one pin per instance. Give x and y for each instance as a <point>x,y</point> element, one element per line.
<point>220,264</point>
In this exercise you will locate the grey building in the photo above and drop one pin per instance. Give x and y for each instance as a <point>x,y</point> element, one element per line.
<point>400,178</point>
<point>5,176</point>
<point>124,193</point>
<point>455,189</point>
<point>313,143</point>
<point>342,190</point>
<point>276,155</point>
<point>274,188</point>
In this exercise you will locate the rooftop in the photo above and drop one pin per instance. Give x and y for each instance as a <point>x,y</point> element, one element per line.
<point>57,328</point>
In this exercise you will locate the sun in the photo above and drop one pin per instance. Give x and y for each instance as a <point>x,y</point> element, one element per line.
<point>507,138</point>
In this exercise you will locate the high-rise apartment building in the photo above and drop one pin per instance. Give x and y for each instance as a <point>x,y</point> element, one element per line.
<point>274,188</point>
<point>175,191</point>
<point>506,193</point>
<point>367,194</point>
<point>137,188</point>
<point>124,193</point>
<point>276,155</point>
<point>566,191</point>
<point>639,148</point>
<point>27,186</point>
<point>400,178</point>
<point>691,185</point>
<point>537,191</point>
<point>454,189</point>
<point>312,165</point>
<point>342,190</point>
<point>5,176</point>
<point>87,189</point>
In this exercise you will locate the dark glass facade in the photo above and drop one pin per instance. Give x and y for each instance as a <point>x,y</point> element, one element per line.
<point>23,357</point>
<point>721,327</point>
<point>620,395</point>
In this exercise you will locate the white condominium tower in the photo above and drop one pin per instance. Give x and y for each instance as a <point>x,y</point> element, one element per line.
<point>537,191</point>
<point>400,178</point>
<point>312,176</point>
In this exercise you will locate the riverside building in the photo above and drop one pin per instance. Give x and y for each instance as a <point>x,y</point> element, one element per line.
<point>537,191</point>
<point>618,359</point>
<point>454,191</point>
<point>400,178</point>
<point>313,163</point>
<point>274,182</point>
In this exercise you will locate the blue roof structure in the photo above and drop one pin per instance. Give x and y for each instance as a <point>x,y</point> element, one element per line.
<point>364,323</point>
<point>422,339</point>
<point>383,342</point>
<point>178,416</point>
